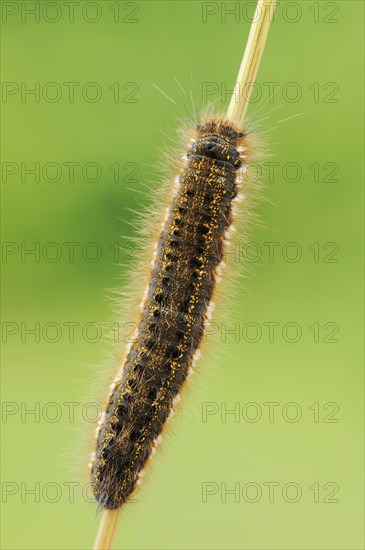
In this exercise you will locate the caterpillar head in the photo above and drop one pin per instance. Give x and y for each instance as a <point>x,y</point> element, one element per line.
<point>217,148</point>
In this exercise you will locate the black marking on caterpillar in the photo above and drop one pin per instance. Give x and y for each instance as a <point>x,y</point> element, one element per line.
<point>185,269</point>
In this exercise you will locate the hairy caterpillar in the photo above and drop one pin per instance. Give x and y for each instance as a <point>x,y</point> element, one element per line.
<point>186,264</point>
<point>184,270</point>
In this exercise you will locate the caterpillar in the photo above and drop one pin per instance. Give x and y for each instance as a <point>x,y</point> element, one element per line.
<point>186,265</point>
<point>177,303</point>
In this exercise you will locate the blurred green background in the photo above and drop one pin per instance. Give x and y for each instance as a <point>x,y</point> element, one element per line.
<point>314,441</point>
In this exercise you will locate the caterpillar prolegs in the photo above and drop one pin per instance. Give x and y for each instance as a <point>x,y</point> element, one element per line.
<point>184,271</point>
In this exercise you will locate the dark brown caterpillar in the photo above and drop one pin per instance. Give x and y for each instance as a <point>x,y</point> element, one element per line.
<point>184,272</point>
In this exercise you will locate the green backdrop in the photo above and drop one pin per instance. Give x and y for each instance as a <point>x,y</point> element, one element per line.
<point>284,469</point>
